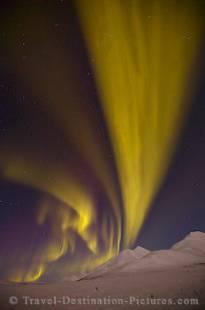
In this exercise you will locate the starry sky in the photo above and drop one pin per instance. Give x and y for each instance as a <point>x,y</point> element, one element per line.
<point>102,131</point>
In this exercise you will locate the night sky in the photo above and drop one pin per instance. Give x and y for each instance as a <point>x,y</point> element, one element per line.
<point>178,208</point>
<point>61,189</point>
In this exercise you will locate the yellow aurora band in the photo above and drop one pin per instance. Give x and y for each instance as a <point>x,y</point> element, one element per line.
<point>141,53</point>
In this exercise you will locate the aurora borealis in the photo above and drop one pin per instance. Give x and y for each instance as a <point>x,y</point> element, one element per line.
<point>94,96</point>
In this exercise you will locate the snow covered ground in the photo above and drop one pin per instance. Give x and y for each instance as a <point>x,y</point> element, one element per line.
<point>133,280</point>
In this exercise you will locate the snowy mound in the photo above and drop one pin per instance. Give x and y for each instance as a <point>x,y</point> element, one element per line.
<point>124,259</point>
<point>194,244</point>
<point>189,251</point>
<point>140,252</point>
